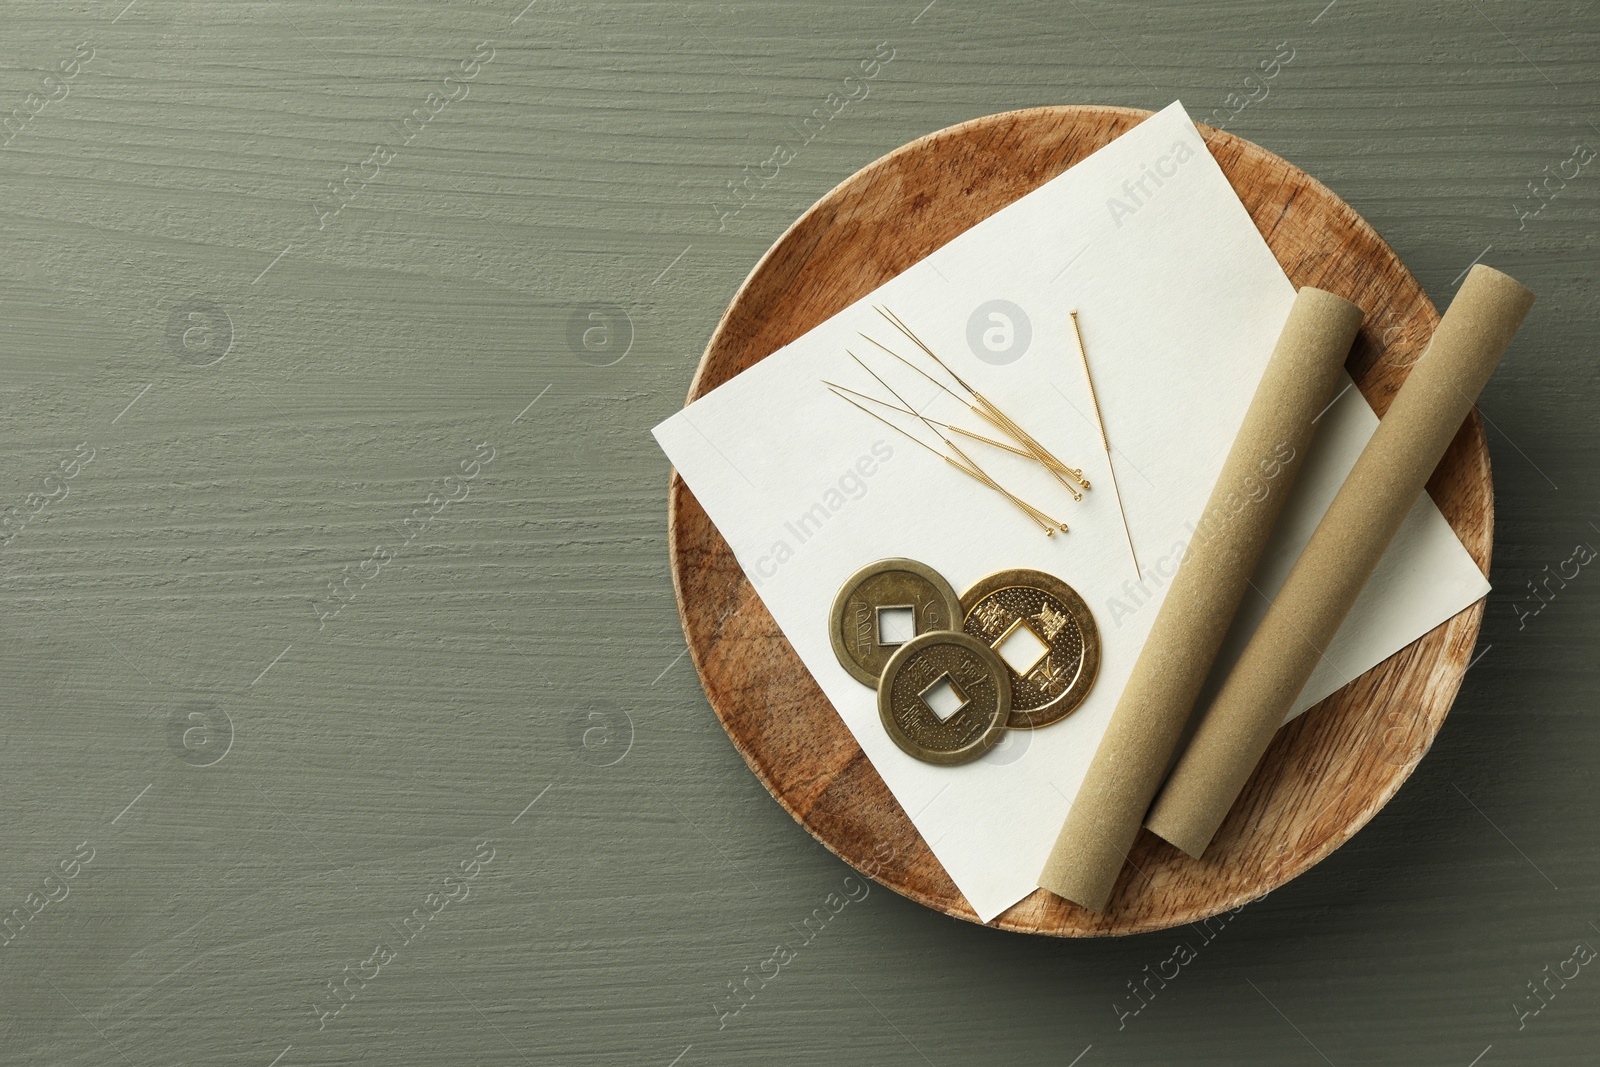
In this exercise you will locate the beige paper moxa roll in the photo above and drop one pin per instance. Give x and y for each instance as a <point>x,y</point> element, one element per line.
<point>1227,542</point>
<point>1343,552</point>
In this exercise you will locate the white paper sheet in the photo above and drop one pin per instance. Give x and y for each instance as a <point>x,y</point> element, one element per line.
<point>1180,302</point>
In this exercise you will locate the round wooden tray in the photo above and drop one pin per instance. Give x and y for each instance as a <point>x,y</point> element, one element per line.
<point>1326,773</point>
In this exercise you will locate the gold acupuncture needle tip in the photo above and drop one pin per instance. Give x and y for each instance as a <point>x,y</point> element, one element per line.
<point>879,378</point>
<point>1083,356</point>
<point>1031,512</point>
<point>906,403</point>
<point>935,422</point>
<point>900,325</point>
<point>949,426</point>
<point>891,407</point>
<point>903,328</point>
<point>895,321</point>
<point>914,367</point>
<point>836,387</point>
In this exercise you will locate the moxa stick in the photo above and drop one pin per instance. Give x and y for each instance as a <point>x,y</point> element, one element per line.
<point>1343,552</point>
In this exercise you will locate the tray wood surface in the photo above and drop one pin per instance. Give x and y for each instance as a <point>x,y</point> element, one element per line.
<point>1325,775</point>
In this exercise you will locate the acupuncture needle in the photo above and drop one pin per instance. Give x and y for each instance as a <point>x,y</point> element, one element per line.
<point>1000,418</point>
<point>1039,455</point>
<point>1105,442</point>
<point>1031,512</point>
<point>1013,449</point>
<point>969,460</point>
<point>992,415</point>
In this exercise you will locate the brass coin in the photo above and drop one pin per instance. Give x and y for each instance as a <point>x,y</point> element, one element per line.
<point>1041,623</point>
<point>864,635</point>
<point>945,697</point>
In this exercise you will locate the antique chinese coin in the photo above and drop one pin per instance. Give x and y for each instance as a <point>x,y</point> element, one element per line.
<point>944,697</point>
<point>882,606</point>
<point>1044,634</point>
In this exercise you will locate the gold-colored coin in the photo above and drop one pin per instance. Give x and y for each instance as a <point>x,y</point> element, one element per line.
<point>882,606</point>
<point>945,697</point>
<point>1044,634</point>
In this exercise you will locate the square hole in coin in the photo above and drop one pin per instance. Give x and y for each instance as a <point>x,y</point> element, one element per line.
<point>944,698</point>
<point>897,624</point>
<point>1021,648</point>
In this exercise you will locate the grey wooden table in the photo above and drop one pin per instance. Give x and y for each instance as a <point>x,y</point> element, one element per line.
<point>347,717</point>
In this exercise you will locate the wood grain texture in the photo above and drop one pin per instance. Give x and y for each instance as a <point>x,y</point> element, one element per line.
<point>530,637</point>
<point>1324,776</point>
